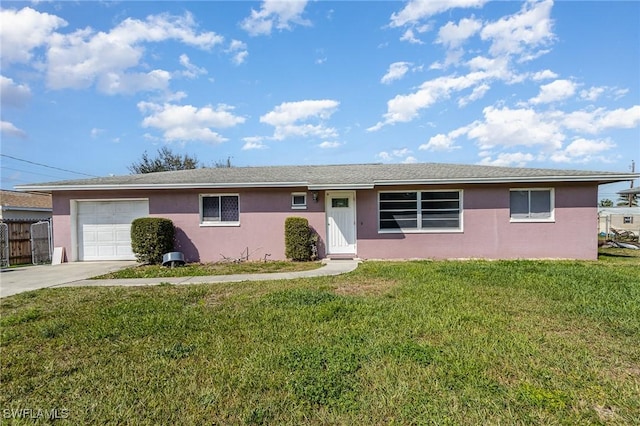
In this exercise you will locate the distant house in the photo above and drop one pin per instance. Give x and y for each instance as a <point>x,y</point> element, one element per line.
<point>618,218</point>
<point>370,211</point>
<point>21,206</point>
<point>19,211</point>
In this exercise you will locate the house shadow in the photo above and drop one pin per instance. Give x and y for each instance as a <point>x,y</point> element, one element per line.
<point>184,245</point>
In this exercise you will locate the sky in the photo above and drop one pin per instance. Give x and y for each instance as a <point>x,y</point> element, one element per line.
<point>88,87</point>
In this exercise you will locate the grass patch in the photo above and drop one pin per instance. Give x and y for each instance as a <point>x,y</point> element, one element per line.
<point>207,269</point>
<point>423,342</point>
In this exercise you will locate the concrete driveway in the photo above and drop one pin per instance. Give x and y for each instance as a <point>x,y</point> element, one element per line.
<point>26,278</point>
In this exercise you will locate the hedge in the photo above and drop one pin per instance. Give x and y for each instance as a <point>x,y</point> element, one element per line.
<point>298,239</point>
<point>152,237</point>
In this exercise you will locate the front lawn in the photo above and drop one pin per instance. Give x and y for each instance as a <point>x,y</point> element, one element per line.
<point>208,269</point>
<point>424,342</point>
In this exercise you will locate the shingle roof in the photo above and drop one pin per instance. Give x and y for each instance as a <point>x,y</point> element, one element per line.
<point>333,176</point>
<point>25,200</point>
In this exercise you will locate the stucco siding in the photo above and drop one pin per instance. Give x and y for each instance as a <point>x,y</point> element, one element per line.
<point>487,229</point>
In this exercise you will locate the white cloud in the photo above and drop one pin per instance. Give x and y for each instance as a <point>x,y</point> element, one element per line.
<point>253,142</point>
<point>521,33</point>
<point>184,123</point>
<point>397,155</point>
<point>238,50</point>
<point>404,108</point>
<point>583,150</point>
<point>329,144</point>
<point>396,71</point>
<point>410,37</point>
<point>84,57</point>
<point>516,159</point>
<point>544,75</point>
<point>289,119</point>
<point>417,10</point>
<point>555,91</point>
<point>191,70</point>
<point>477,93</point>
<point>598,120</point>
<point>515,127</point>
<point>454,35</point>
<point>13,94</point>
<point>24,30</point>
<point>439,142</point>
<point>95,132</point>
<point>10,130</point>
<point>275,13</point>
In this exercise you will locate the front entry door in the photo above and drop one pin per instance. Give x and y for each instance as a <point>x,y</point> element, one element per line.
<point>341,222</point>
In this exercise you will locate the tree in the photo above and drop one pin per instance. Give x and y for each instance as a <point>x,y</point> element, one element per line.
<point>628,200</point>
<point>164,161</point>
<point>606,203</point>
<point>223,164</point>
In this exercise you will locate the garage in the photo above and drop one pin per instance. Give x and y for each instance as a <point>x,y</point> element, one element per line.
<point>104,228</point>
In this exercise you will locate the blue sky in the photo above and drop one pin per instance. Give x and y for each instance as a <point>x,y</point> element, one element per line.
<point>88,87</point>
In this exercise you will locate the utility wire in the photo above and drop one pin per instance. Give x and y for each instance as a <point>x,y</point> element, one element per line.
<point>47,166</point>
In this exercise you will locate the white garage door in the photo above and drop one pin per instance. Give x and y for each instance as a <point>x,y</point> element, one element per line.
<point>104,228</point>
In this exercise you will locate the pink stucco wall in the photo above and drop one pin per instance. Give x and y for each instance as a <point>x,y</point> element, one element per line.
<point>487,232</point>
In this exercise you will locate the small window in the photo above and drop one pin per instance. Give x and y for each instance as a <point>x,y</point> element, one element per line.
<point>220,209</point>
<point>628,220</point>
<point>531,205</point>
<point>339,202</point>
<point>299,200</point>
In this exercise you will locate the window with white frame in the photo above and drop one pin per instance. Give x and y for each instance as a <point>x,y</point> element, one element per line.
<point>420,211</point>
<point>220,209</point>
<point>535,204</point>
<point>299,200</point>
<point>627,220</point>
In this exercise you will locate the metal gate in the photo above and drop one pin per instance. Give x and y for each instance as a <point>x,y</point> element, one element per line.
<point>41,243</point>
<point>4,245</point>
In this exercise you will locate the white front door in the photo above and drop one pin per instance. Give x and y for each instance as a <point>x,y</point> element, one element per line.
<point>341,222</point>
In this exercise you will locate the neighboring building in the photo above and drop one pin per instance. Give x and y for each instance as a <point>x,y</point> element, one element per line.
<point>21,206</point>
<point>370,211</point>
<point>619,218</point>
<point>19,212</point>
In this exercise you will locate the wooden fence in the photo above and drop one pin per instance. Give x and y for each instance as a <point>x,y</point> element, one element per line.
<point>19,241</point>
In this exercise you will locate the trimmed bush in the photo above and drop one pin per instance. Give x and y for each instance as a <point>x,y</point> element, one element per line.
<point>151,237</point>
<point>297,239</point>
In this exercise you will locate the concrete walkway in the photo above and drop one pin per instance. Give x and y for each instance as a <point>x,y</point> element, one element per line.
<point>48,276</point>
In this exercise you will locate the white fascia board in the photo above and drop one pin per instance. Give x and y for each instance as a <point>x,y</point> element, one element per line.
<point>110,187</point>
<point>340,186</point>
<point>600,179</point>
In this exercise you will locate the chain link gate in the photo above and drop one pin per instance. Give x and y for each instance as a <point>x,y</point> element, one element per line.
<point>41,243</point>
<point>4,245</point>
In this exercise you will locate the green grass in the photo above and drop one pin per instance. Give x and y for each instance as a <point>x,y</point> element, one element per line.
<point>424,342</point>
<point>207,269</point>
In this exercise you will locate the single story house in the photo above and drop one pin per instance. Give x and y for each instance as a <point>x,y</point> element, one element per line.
<point>24,207</point>
<point>370,211</point>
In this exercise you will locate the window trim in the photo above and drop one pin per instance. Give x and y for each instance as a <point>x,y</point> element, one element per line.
<point>204,223</point>
<point>298,206</point>
<point>552,206</point>
<point>419,229</point>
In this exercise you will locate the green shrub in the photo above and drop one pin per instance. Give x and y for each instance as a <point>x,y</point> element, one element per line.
<point>151,237</point>
<point>298,239</point>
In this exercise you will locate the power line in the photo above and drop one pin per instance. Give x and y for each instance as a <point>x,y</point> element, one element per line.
<point>47,166</point>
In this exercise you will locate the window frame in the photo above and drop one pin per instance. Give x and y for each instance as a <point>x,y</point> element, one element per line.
<point>419,211</point>
<point>295,206</point>
<point>552,207</point>
<point>218,222</point>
